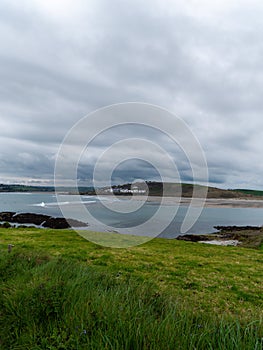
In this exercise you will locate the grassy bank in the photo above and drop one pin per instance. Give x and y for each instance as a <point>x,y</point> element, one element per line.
<point>59,291</point>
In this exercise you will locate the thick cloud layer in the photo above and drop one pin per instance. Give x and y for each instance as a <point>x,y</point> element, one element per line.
<point>202,60</point>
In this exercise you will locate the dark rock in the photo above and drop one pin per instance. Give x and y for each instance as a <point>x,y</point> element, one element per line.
<point>76,223</point>
<point>39,219</point>
<point>56,223</point>
<point>7,216</point>
<point>192,238</point>
<point>61,223</point>
<point>30,218</point>
<point>237,228</point>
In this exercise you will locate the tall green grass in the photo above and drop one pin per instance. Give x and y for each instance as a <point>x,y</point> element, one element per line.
<point>59,303</point>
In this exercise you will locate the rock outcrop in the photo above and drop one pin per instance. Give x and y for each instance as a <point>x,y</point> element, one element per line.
<point>237,228</point>
<point>192,238</point>
<point>30,218</point>
<point>40,220</point>
<point>7,216</point>
<point>245,236</point>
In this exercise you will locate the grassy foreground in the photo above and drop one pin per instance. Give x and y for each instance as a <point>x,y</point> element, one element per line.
<point>59,291</point>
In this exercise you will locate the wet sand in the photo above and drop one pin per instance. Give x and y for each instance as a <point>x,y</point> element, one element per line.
<point>209,202</point>
<point>214,202</point>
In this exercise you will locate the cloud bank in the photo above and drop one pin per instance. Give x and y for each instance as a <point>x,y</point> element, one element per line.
<point>201,60</point>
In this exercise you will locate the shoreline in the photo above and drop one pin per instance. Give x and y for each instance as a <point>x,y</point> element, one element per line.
<point>242,236</point>
<point>170,201</point>
<point>208,202</point>
<point>246,236</point>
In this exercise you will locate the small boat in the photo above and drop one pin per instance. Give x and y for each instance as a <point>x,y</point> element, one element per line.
<point>42,204</point>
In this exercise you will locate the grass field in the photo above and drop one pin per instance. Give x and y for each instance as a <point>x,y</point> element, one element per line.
<point>59,291</point>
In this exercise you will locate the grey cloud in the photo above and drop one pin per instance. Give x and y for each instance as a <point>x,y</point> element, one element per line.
<point>206,69</point>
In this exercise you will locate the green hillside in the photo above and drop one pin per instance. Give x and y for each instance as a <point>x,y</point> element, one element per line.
<point>255,193</point>
<point>155,189</point>
<point>174,189</point>
<point>25,188</point>
<point>59,291</point>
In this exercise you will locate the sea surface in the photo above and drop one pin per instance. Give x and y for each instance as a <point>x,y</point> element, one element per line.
<point>101,218</point>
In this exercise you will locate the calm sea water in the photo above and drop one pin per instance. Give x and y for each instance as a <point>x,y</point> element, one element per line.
<point>46,203</point>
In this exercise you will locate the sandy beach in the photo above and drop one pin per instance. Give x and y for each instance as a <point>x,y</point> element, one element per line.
<point>213,202</point>
<point>209,202</point>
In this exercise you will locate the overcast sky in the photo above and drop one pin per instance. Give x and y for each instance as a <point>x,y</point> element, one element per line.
<point>201,60</point>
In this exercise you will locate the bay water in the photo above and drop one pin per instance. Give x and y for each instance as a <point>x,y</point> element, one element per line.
<point>104,218</point>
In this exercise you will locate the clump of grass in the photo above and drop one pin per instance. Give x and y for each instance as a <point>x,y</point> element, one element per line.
<point>58,303</point>
<point>211,279</point>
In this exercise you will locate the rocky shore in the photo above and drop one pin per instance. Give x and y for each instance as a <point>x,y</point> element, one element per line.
<point>245,236</point>
<point>38,220</point>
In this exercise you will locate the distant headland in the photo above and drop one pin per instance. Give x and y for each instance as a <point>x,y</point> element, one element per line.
<point>153,189</point>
